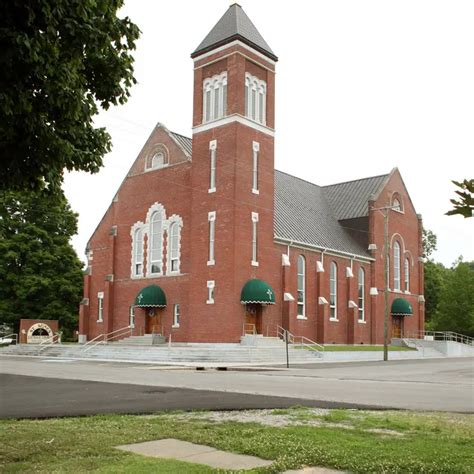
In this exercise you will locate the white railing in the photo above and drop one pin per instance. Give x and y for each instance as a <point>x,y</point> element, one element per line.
<point>9,338</point>
<point>56,339</point>
<point>300,341</point>
<point>441,336</point>
<point>105,338</point>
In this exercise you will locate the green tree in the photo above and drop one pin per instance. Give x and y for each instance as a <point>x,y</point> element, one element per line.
<point>430,242</point>
<point>435,277</point>
<point>464,205</point>
<point>40,273</point>
<point>61,60</point>
<point>456,303</point>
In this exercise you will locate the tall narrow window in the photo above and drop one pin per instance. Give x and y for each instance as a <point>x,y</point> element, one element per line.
<point>174,247</point>
<point>254,239</point>
<point>156,240</point>
<point>131,315</point>
<point>256,149</point>
<point>301,300</point>
<point>361,294</point>
<point>210,291</point>
<point>176,314</point>
<point>213,165</point>
<point>396,266</point>
<point>333,292</point>
<point>138,253</point>
<point>407,275</point>
<point>215,97</point>
<point>255,98</point>
<point>100,306</point>
<point>212,231</point>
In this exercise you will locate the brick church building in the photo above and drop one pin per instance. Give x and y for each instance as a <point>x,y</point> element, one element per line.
<point>206,241</point>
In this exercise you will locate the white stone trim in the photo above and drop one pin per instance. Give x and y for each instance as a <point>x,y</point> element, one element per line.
<point>174,219</point>
<point>288,297</point>
<point>229,45</point>
<point>234,118</point>
<point>322,300</point>
<point>135,227</point>
<point>156,207</point>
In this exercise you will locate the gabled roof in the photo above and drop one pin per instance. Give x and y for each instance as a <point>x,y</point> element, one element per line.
<point>303,214</point>
<point>234,25</point>
<point>185,143</point>
<point>350,199</point>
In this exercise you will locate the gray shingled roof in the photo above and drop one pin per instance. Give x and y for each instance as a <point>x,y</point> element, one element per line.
<point>234,24</point>
<point>185,142</point>
<point>350,199</point>
<point>303,214</point>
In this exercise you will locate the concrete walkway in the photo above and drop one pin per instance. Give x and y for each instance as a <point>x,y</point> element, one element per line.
<point>195,453</point>
<point>200,454</point>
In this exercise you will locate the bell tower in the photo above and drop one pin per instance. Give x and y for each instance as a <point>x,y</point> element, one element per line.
<point>232,176</point>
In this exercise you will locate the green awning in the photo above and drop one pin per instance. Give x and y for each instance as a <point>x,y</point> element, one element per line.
<point>257,291</point>
<point>401,307</point>
<point>151,297</point>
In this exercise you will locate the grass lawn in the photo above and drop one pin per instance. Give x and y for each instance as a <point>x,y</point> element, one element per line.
<point>356,441</point>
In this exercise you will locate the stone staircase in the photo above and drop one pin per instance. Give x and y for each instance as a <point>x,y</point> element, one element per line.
<point>266,351</point>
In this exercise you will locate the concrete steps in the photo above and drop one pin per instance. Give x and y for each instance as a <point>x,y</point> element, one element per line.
<point>212,353</point>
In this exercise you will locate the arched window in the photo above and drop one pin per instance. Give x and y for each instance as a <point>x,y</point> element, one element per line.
<point>173,247</point>
<point>301,286</point>
<point>397,203</point>
<point>396,266</point>
<point>138,253</point>
<point>255,98</point>
<point>215,97</point>
<point>333,291</point>
<point>407,275</point>
<point>361,294</point>
<point>159,160</point>
<point>155,263</point>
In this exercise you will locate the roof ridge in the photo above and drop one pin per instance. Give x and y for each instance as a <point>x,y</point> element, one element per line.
<point>297,177</point>
<point>181,135</point>
<point>355,180</point>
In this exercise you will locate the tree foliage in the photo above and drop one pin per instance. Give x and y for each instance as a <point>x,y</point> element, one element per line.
<point>430,242</point>
<point>61,60</point>
<point>40,273</point>
<point>464,205</point>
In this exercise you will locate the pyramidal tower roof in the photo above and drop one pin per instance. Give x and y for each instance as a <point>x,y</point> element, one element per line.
<point>234,25</point>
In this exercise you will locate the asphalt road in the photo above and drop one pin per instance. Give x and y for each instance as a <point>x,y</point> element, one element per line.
<point>39,397</point>
<point>429,384</point>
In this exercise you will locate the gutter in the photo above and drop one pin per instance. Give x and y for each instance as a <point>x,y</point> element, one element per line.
<point>304,245</point>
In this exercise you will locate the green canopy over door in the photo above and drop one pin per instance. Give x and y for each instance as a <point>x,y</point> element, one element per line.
<point>151,297</point>
<point>257,291</point>
<point>401,307</point>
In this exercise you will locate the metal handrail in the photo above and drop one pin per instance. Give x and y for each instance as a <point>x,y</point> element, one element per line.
<point>104,338</point>
<point>10,335</point>
<point>50,340</point>
<point>442,336</point>
<point>252,327</point>
<point>299,340</point>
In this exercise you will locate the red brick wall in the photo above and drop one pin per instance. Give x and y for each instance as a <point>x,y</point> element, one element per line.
<point>182,189</point>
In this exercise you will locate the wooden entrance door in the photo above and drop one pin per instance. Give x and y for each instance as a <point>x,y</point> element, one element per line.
<point>153,321</point>
<point>253,318</point>
<point>397,326</point>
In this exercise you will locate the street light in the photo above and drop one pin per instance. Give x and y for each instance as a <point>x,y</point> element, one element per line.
<point>384,210</point>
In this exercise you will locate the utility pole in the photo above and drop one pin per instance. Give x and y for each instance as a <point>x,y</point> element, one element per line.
<point>386,273</point>
<point>386,246</point>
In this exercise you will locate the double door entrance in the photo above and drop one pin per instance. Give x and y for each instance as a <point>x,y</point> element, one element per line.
<point>397,327</point>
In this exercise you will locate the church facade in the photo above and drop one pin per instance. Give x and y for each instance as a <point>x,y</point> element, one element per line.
<point>205,241</point>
